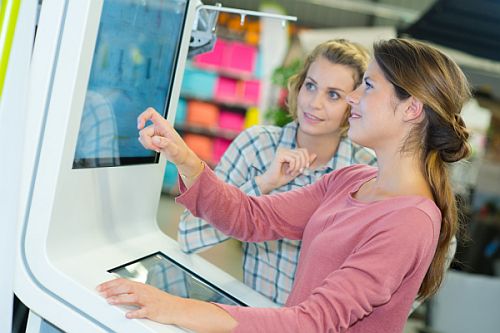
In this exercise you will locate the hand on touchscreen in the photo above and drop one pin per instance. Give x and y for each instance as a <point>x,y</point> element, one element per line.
<point>165,308</point>
<point>152,303</point>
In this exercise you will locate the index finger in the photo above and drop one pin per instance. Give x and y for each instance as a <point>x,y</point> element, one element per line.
<point>111,284</point>
<point>149,114</point>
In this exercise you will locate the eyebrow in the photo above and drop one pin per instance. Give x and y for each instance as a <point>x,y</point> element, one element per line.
<point>330,88</point>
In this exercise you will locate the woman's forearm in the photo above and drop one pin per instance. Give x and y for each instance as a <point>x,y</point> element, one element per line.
<point>203,317</point>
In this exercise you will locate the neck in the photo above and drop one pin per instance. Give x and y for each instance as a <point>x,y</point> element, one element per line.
<point>400,174</point>
<point>324,146</point>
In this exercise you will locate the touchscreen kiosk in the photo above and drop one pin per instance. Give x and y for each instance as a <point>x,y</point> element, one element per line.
<point>163,272</point>
<point>93,190</point>
<point>133,67</point>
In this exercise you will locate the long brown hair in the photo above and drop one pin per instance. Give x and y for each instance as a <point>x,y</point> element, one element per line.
<point>336,51</point>
<point>417,69</point>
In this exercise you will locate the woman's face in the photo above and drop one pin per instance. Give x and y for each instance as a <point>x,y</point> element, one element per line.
<point>321,103</point>
<point>376,113</point>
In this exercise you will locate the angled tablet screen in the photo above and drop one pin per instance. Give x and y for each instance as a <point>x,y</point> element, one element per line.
<point>166,274</point>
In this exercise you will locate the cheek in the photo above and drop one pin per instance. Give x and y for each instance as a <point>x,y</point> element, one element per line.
<point>301,98</point>
<point>337,111</point>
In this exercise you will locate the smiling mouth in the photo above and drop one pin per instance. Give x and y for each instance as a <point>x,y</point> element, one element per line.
<point>354,115</point>
<point>311,117</point>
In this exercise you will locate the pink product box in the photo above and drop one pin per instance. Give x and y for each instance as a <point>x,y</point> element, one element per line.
<point>230,120</point>
<point>226,89</point>
<point>240,57</point>
<point>251,92</point>
<point>214,58</point>
<point>231,56</point>
<point>219,148</point>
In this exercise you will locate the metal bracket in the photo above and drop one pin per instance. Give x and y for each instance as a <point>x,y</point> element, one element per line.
<point>203,34</point>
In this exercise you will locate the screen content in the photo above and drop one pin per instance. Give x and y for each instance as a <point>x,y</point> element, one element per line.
<point>133,67</point>
<point>166,274</point>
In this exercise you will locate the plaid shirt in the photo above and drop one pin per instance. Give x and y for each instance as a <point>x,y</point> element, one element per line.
<point>98,136</point>
<point>268,267</point>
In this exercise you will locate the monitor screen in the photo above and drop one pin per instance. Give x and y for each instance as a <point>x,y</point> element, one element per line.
<point>166,274</point>
<point>133,67</point>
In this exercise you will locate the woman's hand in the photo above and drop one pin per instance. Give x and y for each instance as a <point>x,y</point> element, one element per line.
<point>164,308</point>
<point>152,303</point>
<point>160,136</point>
<point>287,165</point>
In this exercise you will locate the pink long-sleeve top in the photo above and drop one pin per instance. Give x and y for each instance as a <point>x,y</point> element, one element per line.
<point>360,266</point>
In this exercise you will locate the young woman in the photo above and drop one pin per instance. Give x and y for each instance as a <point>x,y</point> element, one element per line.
<point>372,238</point>
<point>255,160</point>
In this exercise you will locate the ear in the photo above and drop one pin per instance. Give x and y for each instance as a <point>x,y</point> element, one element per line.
<point>414,109</point>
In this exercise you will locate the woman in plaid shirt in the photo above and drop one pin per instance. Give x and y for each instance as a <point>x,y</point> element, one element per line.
<point>312,145</point>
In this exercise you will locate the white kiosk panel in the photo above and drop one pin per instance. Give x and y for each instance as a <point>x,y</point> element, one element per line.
<point>95,192</point>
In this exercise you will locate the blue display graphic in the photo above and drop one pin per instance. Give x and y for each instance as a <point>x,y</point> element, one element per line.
<point>133,68</point>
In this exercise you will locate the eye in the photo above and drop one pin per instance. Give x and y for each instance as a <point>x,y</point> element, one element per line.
<point>310,86</point>
<point>333,94</point>
<point>368,85</point>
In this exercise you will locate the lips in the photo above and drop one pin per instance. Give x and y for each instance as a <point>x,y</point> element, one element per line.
<point>311,117</point>
<point>355,115</point>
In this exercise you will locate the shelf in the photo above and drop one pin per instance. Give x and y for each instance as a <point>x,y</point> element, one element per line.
<point>226,72</point>
<point>208,131</point>
<point>232,105</point>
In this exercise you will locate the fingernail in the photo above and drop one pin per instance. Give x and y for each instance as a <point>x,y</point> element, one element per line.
<point>301,170</point>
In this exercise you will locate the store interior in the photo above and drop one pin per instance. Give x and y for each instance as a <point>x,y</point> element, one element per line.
<point>239,80</point>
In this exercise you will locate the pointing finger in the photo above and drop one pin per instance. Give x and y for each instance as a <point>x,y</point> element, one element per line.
<point>150,114</point>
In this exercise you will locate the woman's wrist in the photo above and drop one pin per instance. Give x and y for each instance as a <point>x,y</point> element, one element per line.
<point>191,169</point>
<point>263,184</point>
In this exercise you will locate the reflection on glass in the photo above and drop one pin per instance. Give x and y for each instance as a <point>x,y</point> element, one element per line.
<point>166,274</point>
<point>133,67</point>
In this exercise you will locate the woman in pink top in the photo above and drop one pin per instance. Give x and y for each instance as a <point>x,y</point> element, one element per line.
<point>373,239</point>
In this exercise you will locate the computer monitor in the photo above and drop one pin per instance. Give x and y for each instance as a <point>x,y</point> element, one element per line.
<point>133,67</point>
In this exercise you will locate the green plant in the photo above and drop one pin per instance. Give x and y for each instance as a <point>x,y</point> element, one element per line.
<point>278,114</point>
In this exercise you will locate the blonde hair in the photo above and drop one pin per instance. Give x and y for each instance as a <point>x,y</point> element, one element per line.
<point>336,51</point>
<point>419,70</point>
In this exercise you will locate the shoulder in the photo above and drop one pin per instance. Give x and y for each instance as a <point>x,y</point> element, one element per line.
<point>409,218</point>
<point>352,173</point>
<point>255,146</point>
<point>260,135</point>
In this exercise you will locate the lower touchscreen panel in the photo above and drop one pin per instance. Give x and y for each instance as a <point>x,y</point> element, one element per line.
<point>166,274</point>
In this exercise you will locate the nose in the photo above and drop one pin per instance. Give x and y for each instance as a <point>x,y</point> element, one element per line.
<point>316,100</point>
<point>353,97</point>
